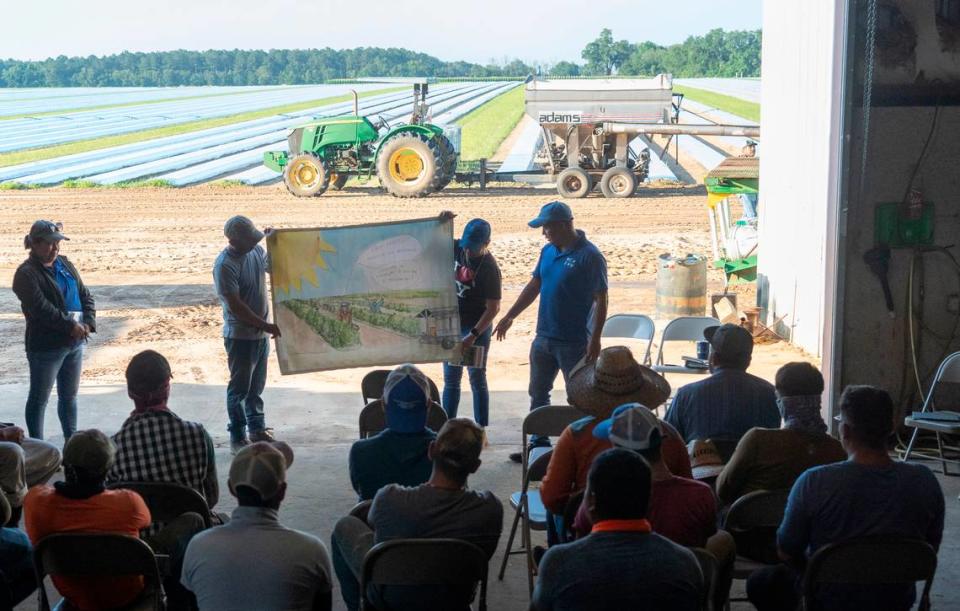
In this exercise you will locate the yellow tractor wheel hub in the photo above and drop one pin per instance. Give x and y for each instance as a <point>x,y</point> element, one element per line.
<point>405,165</point>
<point>305,174</point>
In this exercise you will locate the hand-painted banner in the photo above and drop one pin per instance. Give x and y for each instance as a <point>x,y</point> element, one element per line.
<point>377,294</point>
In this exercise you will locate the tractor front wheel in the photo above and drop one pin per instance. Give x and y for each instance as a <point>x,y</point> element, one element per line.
<point>410,165</point>
<point>337,181</point>
<point>306,175</point>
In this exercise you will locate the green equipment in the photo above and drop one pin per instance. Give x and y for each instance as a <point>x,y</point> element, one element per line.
<point>411,160</point>
<point>734,242</point>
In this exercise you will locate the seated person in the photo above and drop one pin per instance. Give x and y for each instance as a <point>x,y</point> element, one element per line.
<point>398,454</point>
<point>772,459</point>
<point>82,504</point>
<point>441,508</point>
<point>254,561</point>
<point>681,509</point>
<point>869,494</point>
<point>154,444</point>
<point>622,564</point>
<point>730,402</point>
<point>16,562</point>
<point>24,462</point>
<point>597,388</point>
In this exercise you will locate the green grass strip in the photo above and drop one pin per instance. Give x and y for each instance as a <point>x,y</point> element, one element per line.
<point>735,106</point>
<point>123,105</point>
<point>82,146</point>
<point>487,127</point>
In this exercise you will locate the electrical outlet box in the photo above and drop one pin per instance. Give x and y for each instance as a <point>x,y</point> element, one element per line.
<point>894,227</point>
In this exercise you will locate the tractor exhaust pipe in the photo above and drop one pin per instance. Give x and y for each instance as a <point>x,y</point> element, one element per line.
<point>636,129</point>
<point>356,103</point>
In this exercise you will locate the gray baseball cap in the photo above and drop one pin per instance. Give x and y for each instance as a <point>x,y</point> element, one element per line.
<point>241,228</point>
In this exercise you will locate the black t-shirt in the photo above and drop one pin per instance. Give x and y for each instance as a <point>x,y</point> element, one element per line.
<point>484,283</point>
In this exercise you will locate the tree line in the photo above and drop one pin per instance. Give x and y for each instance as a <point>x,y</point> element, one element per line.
<point>717,53</point>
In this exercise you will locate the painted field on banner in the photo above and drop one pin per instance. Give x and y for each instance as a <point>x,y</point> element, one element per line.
<point>377,294</point>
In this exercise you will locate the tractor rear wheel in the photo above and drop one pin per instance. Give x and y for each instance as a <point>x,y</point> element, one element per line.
<point>618,182</point>
<point>574,183</point>
<point>410,165</point>
<point>337,181</point>
<point>306,175</point>
<point>449,156</point>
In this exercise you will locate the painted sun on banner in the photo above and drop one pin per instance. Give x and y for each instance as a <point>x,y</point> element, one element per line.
<point>377,294</point>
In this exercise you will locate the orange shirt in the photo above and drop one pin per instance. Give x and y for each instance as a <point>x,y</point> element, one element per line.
<point>112,511</point>
<point>574,453</point>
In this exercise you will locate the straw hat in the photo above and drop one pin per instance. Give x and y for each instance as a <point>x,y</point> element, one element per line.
<point>613,379</point>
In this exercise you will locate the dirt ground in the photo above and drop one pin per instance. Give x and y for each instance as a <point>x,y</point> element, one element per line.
<point>146,254</point>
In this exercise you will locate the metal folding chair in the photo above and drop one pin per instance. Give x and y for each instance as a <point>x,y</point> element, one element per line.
<point>708,566</point>
<point>754,519</point>
<point>106,555</point>
<point>371,386</point>
<point>871,561</point>
<point>167,500</point>
<point>683,329</point>
<point>373,419</point>
<point>530,514</point>
<point>424,562</point>
<point>947,422</point>
<point>631,326</point>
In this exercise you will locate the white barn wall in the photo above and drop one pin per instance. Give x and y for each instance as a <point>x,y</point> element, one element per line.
<point>800,134</point>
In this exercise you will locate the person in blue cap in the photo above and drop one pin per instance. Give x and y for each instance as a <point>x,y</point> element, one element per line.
<point>478,297</point>
<point>398,454</point>
<point>571,281</point>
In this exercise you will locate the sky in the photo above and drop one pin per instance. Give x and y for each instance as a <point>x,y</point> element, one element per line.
<point>478,32</point>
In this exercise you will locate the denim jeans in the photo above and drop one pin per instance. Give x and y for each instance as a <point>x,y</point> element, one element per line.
<point>453,374</point>
<point>247,360</point>
<point>60,365</point>
<point>547,358</point>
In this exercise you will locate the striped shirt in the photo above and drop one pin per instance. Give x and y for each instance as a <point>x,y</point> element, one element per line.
<point>724,406</point>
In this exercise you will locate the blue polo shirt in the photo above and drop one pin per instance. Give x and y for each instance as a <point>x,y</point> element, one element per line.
<point>570,279</point>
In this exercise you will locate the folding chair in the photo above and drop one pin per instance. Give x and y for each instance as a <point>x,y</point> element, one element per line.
<point>373,419</point>
<point>631,326</point>
<point>424,562</point>
<point>107,555</point>
<point>530,514</point>
<point>949,371</point>
<point>683,329</point>
<point>371,386</point>
<point>753,520</point>
<point>708,566</point>
<point>549,421</point>
<point>167,500</point>
<point>871,561</point>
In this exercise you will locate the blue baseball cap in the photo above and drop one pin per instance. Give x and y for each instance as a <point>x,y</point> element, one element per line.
<point>476,234</point>
<point>405,396</point>
<point>554,211</point>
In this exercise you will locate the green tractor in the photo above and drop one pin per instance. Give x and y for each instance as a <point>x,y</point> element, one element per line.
<point>411,160</point>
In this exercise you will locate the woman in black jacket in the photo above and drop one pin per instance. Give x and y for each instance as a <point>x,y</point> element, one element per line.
<point>60,315</point>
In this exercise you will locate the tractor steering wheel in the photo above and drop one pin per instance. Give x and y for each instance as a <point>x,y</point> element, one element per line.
<point>382,123</point>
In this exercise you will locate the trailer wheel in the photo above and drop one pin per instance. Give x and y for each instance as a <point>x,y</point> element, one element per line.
<point>573,183</point>
<point>306,175</point>
<point>618,182</point>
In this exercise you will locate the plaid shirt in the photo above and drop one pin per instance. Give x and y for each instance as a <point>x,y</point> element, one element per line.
<point>157,446</point>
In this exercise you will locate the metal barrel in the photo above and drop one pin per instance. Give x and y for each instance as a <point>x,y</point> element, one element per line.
<point>681,286</point>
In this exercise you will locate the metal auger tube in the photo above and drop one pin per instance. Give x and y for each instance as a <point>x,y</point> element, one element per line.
<point>636,129</point>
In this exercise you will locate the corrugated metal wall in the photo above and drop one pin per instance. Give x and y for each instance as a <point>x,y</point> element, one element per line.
<point>799,163</point>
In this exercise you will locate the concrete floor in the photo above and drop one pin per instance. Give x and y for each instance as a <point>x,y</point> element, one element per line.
<point>321,426</point>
